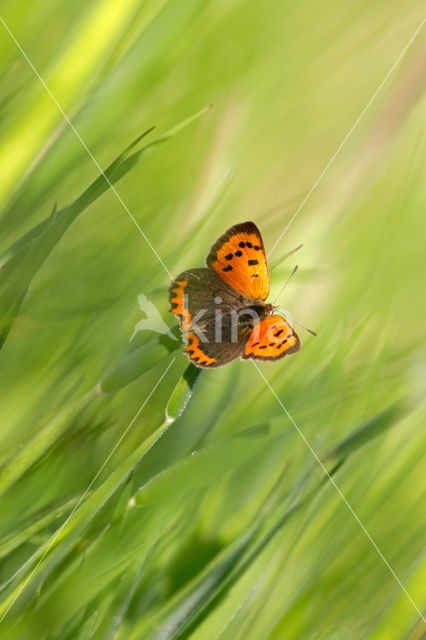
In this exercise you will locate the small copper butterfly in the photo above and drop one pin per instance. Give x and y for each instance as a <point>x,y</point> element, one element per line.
<point>222,310</point>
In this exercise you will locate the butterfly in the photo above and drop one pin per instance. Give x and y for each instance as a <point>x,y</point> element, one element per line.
<point>222,310</point>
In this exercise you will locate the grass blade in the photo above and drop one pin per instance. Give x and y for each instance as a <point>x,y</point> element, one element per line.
<point>136,363</point>
<point>52,552</point>
<point>366,432</point>
<point>40,443</point>
<point>182,393</point>
<point>21,261</point>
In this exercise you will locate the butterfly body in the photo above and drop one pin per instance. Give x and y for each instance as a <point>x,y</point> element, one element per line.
<point>222,309</point>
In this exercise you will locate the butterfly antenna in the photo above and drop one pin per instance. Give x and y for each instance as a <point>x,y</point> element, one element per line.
<point>278,261</point>
<point>295,268</point>
<point>305,328</point>
<point>289,317</point>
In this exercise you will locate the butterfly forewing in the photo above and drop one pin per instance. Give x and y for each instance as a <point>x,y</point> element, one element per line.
<point>239,258</point>
<point>271,339</point>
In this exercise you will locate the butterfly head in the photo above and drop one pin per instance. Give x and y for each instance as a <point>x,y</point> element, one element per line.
<point>268,309</point>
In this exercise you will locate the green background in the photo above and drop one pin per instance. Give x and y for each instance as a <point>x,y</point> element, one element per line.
<point>227,527</point>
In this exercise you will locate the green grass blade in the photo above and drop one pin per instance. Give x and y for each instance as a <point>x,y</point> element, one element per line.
<point>133,536</point>
<point>136,363</point>
<point>375,426</point>
<point>203,467</point>
<point>125,372</point>
<point>189,607</point>
<point>48,555</point>
<point>182,393</point>
<point>22,260</point>
<point>20,462</point>
<point>26,532</point>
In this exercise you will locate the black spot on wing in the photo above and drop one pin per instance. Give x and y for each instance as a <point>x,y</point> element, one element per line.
<point>252,262</point>
<point>228,268</point>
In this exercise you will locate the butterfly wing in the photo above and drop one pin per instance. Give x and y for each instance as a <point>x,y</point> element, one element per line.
<point>239,258</point>
<point>204,303</point>
<point>271,339</point>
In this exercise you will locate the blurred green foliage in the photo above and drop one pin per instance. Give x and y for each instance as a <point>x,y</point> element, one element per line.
<point>140,498</point>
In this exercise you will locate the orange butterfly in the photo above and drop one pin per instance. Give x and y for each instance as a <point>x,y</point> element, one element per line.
<point>222,309</point>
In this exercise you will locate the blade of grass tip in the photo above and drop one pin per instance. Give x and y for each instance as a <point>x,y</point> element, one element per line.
<point>21,261</point>
<point>125,162</point>
<point>368,431</point>
<point>182,393</point>
<point>47,557</point>
<point>20,462</point>
<point>182,125</point>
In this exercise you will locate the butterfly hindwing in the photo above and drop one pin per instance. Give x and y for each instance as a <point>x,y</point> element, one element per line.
<point>203,303</point>
<point>271,339</point>
<point>239,258</point>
